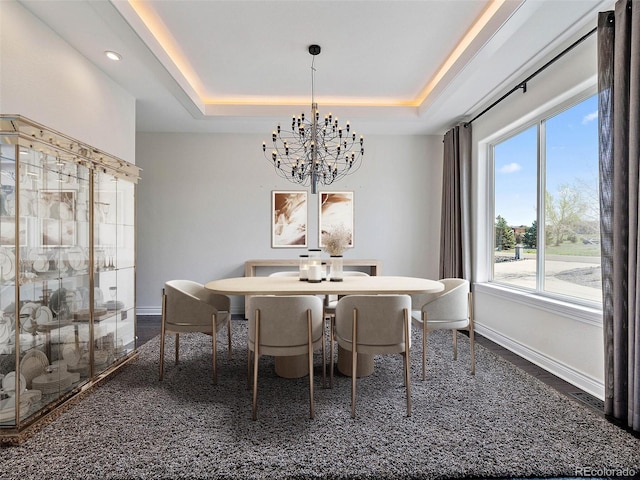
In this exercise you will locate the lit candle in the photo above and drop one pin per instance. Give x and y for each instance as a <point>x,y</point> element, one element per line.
<point>315,274</point>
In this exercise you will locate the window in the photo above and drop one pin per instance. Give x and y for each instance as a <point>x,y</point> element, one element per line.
<point>546,207</point>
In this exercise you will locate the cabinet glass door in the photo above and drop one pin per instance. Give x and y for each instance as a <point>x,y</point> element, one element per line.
<point>114,319</point>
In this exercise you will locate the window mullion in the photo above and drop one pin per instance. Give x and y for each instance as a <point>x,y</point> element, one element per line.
<point>540,214</point>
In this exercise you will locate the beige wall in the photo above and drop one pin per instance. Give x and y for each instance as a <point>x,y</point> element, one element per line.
<point>560,337</point>
<point>204,207</point>
<point>45,80</point>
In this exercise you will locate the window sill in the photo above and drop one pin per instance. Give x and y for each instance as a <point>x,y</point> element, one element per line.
<point>582,313</point>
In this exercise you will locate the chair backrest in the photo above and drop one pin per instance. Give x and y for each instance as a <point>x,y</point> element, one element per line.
<point>346,273</point>
<point>285,274</point>
<point>354,273</point>
<point>190,303</point>
<point>185,286</point>
<point>283,319</point>
<point>450,304</point>
<point>380,318</point>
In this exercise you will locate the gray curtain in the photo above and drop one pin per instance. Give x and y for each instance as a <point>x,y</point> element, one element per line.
<point>455,228</point>
<point>619,119</point>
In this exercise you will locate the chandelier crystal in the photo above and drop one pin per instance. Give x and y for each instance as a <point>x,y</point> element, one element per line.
<point>315,151</point>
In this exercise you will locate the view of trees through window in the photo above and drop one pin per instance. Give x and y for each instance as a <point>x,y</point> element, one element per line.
<point>552,167</point>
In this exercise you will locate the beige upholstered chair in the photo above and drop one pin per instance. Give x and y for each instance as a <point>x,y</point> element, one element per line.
<point>285,326</point>
<point>375,324</point>
<point>188,306</point>
<point>450,309</point>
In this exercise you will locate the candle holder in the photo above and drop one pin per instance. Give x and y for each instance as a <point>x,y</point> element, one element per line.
<point>335,274</point>
<point>315,266</point>
<point>303,269</point>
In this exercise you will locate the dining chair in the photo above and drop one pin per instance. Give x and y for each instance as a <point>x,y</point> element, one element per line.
<point>286,325</point>
<point>187,306</point>
<point>330,302</point>
<point>375,324</point>
<point>450,309</point>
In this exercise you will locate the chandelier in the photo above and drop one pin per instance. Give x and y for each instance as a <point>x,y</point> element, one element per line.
<point>315,151</point>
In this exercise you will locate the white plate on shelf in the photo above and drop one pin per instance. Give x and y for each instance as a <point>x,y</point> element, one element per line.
<point>7,264</point>
<point>44,315</point>
<point>8,408</point>
<point>77,258</point>
<point>71,354</point>
<point>41,264</point>
<point>33,364</point>
<point>9,382</point>
<point>26,324</point>
<point>28,308</point>
<point>6,332</point>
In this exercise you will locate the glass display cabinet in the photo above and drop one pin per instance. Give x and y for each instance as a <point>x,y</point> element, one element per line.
<point>67,270</point>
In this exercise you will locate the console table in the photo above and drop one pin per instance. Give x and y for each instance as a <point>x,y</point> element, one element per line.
<point>374,266</point>
<point>250,267</point>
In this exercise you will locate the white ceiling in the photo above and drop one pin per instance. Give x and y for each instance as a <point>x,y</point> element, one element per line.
<point>243,66</point>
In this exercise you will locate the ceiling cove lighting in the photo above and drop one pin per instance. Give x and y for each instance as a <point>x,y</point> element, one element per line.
<point>315,151</point>
<point>111,55</point>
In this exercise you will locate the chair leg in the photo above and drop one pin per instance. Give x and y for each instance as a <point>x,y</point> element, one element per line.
<point>354,363</point>
<point>256,355</point>
<point>331,340</point>
<point>324,358</point>
<point>473,350</point>
<point>407,361</point>
<point>249,363</point>
<point>177,347</point>
<point>455,344</point>
<point>424,346</point>
<point>310,358</point>
<point>162,329</point>
<point>229,336</point>
<point>472,344</point>
<point>214,348</point>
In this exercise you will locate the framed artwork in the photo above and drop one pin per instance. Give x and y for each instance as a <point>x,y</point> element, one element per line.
<point>335,212</point>
<point>289,219</point>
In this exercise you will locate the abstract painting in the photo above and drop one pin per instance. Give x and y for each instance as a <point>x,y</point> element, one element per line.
<point>289,219</point>
<point>335,211</point>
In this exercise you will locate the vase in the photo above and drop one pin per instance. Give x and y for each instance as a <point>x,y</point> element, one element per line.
<point>335,274</point>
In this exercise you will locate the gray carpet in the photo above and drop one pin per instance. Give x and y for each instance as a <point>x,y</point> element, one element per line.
<point>499,423</point>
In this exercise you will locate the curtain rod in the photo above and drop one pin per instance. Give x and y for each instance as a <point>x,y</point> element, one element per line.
<point>523,85</point>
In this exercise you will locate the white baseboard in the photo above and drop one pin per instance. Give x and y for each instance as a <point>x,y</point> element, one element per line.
<point>148,311</point>
<point>561,370</point>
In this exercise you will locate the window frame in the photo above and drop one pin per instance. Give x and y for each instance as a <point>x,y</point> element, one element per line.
<point>574,307</point>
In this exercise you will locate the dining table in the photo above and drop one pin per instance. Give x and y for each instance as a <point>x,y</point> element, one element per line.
<point>293,367</point>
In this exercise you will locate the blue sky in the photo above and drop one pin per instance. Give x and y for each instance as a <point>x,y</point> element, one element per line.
<point>572,159</point>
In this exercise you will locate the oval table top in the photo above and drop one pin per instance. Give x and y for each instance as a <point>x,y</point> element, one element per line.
<point>351,285</point>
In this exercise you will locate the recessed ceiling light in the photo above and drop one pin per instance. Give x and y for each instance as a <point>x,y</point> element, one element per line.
<point>111,55</point>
